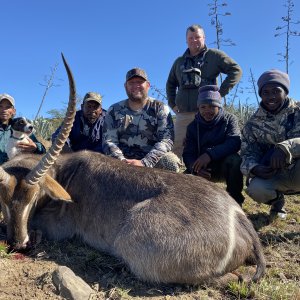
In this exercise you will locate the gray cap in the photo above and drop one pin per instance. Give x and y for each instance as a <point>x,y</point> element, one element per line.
<point>92,96</point>
<point>136,72</point>
<point>7,97</point>
<point>274,76</point>
<point>209,94</point>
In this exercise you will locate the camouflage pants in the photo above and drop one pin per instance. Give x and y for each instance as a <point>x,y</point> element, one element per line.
<point>285,181</point>
<point>170,162</point>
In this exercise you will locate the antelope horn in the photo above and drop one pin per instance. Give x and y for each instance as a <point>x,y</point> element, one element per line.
<point>52,154</point>
<point>3,175</point>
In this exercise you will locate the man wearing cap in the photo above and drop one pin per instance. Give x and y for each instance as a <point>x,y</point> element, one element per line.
<point>86,133</point>
<point>213,140</point>
<point>7,112</point>
<point>198,66</point>
<point>139,130</point>
<point>271,144</point>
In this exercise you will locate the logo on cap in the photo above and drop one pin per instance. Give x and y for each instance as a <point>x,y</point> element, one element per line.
<point>136,72</point>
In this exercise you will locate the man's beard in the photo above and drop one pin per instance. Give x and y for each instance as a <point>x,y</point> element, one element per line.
<point>137,98</point>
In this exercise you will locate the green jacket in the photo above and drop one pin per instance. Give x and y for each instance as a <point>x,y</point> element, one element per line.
<point>5,133</point>
<point>211,62</point>
<point>264,131</point>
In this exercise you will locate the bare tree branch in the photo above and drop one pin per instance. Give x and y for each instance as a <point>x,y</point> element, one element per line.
<point>49,84</point>
<point>215,21</point>
<point>253,82</point>
<point>287,32</point>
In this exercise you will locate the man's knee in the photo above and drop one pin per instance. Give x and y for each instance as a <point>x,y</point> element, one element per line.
<point>231,167</point>
<point>233,161</point>
<point>260,191</point>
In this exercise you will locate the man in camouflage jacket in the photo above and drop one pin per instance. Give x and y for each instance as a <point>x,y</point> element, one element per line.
<point>271,144</point>
<point>139,130</point>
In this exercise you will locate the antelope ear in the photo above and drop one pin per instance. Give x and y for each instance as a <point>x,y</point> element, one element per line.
<point>55,190</point>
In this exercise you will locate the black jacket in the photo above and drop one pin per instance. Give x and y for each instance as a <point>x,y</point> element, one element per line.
<point>81,140</point>
<point>218,139</point>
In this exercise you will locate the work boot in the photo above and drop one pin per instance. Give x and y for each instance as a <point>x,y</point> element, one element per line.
<point>277,210</point>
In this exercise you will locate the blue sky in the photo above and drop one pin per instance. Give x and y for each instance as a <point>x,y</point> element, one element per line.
<point>102,40</point>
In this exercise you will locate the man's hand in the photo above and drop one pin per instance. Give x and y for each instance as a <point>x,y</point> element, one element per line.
<point>27,147</point>
<point>278,159</point>
<point>205,173</point>
<point>134,162</point>
<point>201,163</point>
<point>262,171</point>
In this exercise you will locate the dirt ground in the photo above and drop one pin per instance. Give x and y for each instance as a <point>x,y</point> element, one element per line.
<point>26,278</point>
<point>30,276</point>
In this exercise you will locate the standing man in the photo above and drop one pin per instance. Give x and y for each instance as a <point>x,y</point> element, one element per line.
<point>7,113</point>
<point>271,144</point>
<point>139,130</point>
<point>86,133</point>
<point>212,143</point>
<point>197,67</point>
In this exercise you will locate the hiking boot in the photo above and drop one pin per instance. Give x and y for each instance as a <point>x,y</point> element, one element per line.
<point>277,210</point>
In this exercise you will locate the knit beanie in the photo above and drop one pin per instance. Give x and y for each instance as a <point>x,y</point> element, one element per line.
<point>209,94</point>
<point>274,76</point>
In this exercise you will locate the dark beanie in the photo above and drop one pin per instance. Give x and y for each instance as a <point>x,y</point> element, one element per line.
<point>274,76</point>
<point>209,94</point>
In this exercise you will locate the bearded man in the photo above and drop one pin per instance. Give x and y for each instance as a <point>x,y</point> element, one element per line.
<point>139,130</point>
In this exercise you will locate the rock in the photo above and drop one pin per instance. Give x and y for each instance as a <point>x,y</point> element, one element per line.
<point>71,286</point>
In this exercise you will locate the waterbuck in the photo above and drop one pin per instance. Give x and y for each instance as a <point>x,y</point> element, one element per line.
<point>166,227</point>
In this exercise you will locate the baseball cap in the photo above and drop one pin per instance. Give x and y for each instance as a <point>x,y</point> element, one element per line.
<point>136,72</point>
<point>7,97</point>
<point>92,96</point>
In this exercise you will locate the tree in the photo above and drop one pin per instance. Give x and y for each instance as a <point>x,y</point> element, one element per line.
<point>159,94</point>
<point>49,84</point>
<point>215,14</point>
<point>215,21</point>
<point>288,32</point>
<point>57,115</point>
<point>253,83</point>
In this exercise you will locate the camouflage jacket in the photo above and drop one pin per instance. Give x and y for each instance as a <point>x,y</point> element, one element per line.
<point>265,131</point>
<point>146,134</point>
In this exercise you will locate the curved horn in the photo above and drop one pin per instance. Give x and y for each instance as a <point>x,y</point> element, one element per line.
<point>3,175</point>
<point>50,157</point>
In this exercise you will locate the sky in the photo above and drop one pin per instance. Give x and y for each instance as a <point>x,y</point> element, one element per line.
<point>102,40</point>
